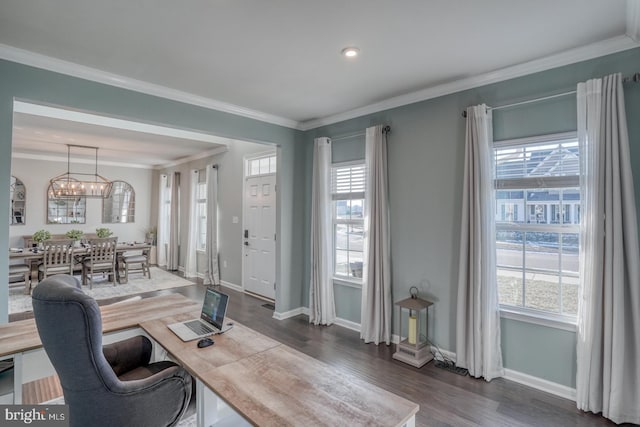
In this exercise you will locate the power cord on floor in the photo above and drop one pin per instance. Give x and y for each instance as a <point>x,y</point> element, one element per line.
<point>444,362</point>
<point>437,351</point>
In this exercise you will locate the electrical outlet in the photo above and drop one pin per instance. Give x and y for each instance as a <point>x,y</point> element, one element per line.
<point>224,263</point>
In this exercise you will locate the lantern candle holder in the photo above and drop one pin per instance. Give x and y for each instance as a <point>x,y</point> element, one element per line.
<point>414,349</point>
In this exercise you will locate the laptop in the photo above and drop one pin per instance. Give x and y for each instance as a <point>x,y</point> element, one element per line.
<point>211,318</point>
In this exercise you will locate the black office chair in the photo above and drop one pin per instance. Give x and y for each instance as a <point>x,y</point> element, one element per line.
<point>114,385</point>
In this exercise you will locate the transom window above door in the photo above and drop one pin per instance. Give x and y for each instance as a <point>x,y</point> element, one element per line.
<point>261,165</point>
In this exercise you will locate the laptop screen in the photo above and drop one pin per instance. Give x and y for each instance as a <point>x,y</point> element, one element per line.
<point>214,308</point>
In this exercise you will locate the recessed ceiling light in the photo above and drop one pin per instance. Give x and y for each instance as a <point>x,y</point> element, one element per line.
<point>350,52</point>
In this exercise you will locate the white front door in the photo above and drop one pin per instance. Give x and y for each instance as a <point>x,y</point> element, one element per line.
<point>260,235</point>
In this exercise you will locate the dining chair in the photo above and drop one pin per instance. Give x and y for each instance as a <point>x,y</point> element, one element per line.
<point>135,262</point>
<point>57,258</point>
<point>100,258</point>
<point>23,271</point>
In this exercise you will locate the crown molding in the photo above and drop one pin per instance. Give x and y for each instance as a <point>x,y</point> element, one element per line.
<point>37,60</point>
<point>605,47</point>
<point>64,159</point>
<point>633,19</point>
<point>613,45</point>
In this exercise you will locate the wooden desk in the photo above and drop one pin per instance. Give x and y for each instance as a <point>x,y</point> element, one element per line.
<point>20,340</point>
<point>271,384</point>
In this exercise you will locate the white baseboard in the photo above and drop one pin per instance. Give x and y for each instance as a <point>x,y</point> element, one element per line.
<point>438,353</point>
<point>347,324</point>
<point>540,384</point>
<point>522,378</point>
<point>231,286</point>
<point>291,313</point>
<point>305,310</point>
<point>515,376</point>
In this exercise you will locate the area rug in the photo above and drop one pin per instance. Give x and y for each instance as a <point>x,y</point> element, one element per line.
<point>102,289</point>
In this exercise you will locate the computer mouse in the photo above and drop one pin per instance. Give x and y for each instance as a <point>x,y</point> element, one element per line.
<point>205,342</point>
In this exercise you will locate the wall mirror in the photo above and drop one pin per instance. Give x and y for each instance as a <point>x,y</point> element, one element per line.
<point>18,201</point>
<point>67,210</point>
<point>120,206</point>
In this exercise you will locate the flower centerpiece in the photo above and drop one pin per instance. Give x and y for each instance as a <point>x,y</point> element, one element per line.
<point>75,235</point>
<point>103,232</point>
<point>41,236</point>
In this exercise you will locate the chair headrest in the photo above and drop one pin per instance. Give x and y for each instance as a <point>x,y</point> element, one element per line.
<point>60,287</point>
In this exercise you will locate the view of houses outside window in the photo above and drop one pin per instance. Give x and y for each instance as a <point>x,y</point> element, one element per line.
<point>537,212</point>
<point>348,220</point>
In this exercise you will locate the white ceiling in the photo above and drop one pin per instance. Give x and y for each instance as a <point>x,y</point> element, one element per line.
<point>43,137</point>
<point>280,60</point>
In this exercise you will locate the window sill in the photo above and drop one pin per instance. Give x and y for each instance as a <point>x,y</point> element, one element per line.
<point>201,251</point>
<point>538,319</point>
<point>348,283</point>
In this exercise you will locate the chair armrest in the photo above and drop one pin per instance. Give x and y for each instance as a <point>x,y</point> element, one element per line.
<point>123,356</point>
<point>162,398</point>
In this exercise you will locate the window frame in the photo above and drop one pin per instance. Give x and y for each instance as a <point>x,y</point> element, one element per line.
<point>201,201</point>
<point>355,282</point>
<point>527,314</point>
<point>272,160</point>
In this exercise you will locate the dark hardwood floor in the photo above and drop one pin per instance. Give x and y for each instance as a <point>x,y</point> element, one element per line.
<point>445,398</point>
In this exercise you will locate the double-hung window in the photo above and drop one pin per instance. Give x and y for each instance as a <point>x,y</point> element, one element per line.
<point>201,210</point>
<point>347,191</point>
<point>537,216</point>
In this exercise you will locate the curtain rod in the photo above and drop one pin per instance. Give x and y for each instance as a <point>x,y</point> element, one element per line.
<point>630,79</point>
<point>385,129</point>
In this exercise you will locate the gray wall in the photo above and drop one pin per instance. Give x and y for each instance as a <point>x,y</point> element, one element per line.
<point>36,175</point>
<point>230,198</point>
<point>426,156</point>
<point>41,86</point>
<point>425,179</point>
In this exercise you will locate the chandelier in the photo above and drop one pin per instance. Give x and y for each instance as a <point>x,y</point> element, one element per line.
<point>77,184</point>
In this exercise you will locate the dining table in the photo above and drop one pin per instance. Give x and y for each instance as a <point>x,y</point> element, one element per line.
<point>33,256</point>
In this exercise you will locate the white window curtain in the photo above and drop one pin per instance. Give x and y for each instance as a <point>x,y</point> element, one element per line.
<point>375,321</point>
<point>478,315</point>
<point>322,310</point>
<point>191,261</point>
<point>174,224</point>
<point>212,276</point>
<point>163,220</point>
<point>608,350</point>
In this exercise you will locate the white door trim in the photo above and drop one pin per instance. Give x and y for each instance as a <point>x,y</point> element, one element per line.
<point>245,163</point>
